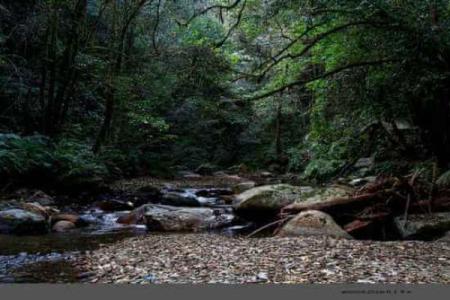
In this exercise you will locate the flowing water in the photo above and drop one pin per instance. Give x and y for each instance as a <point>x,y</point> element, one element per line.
<point>50,257</point>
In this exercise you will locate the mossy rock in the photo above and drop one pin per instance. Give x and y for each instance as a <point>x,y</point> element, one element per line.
<point>267,198</point>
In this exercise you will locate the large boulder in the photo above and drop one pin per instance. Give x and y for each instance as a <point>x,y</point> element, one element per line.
<point>168,218</point>
<point>313,222</point>
<point>19,221</point>
<point>267,198</point>
<point>423,226</point>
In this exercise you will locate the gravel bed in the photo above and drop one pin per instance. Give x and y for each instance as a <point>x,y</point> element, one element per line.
<point>211,258</point>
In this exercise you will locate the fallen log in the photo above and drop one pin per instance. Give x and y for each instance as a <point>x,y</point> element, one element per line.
<point>337,204</point>
<point>437,205</point>
<point>356,225</point>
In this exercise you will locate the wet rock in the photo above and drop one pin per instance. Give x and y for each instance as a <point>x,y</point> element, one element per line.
<point>168,218</point>
<point>132,218</point>
<point>36,208</point>
<point>63,226</point>
<point>114,205</point>
<point>268,198</point>
<point>179,199</point>
<point>313,222</point>
<point>19,221</point>
<point>243,186</point>
<point>75,219</point>
<point>423,226</point>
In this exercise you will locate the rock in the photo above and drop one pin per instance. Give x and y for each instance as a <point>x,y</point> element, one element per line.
<point>243,186</point>
<point>313,222</point>
<point>179,199</point>
<point>168,218</point>
<point>19,221</point>
<point>63,226</point>
<point>364,162</point>
<point>36,197</point>
<point>423,226</point>
<point>134,217</point>
<point>36,208</point>
<point>267,198</point>
<point>77,220</point>
<point>205,169</point>
<point>114,205</point>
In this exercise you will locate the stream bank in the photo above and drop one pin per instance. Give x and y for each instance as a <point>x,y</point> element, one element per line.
<point>79,254</point>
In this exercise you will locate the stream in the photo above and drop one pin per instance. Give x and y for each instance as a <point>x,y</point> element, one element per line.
<point>49,258</point>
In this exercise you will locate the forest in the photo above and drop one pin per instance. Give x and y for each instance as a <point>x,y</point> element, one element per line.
<point>224,141</point>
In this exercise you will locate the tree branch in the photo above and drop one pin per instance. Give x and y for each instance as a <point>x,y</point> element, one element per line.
<point>324,75</point>
<point>220,44</point>
<point>218,6</point>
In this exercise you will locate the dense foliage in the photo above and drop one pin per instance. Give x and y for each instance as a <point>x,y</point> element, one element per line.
<point>110,88</point>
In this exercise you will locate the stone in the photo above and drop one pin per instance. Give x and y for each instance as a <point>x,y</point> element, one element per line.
<point>35,207</point>
<point>423,226</point>
<point>168,218</point>
<point>75,219</point>
<point>268,198</point>
<point>22,222</point>
<point>313,222</point>
<point>364,162</point>
<point>63,226</point>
